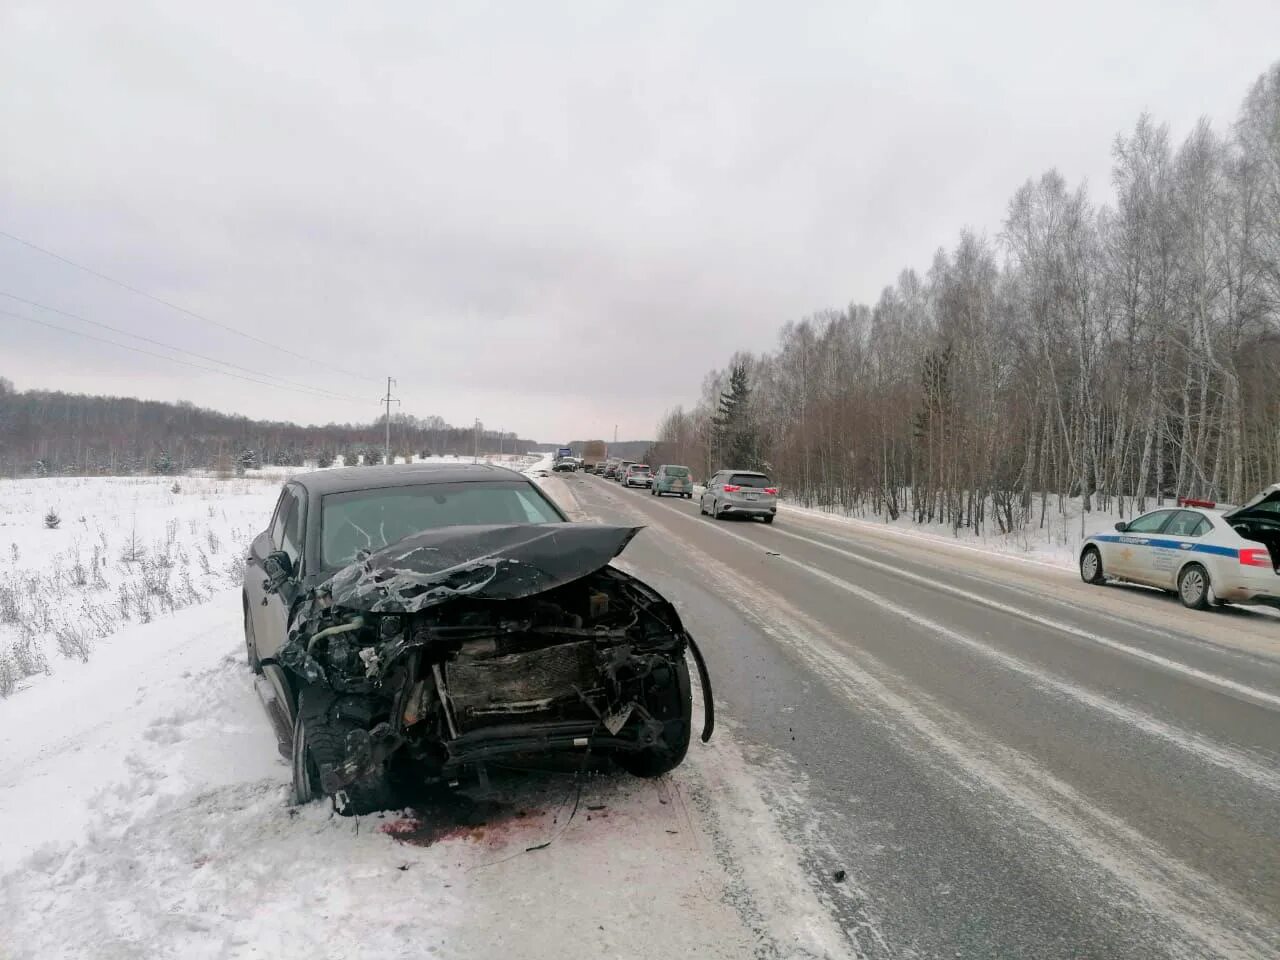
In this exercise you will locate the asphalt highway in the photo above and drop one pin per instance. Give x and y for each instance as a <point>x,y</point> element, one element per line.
<point>978,758</point>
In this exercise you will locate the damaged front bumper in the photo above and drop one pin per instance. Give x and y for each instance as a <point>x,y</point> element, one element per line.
<point>427,655</point>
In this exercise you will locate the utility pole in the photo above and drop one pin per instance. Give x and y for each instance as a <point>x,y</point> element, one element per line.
<point>388,400</point>
<point>475,457</point>
<point>615,433</point>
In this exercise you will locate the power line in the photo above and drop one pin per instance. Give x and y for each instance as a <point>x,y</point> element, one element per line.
<point>149,353</point>
<point>168,346</point>
<point>180,309</point>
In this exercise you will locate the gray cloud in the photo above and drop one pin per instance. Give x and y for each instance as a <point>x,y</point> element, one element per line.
<point>555,217</point>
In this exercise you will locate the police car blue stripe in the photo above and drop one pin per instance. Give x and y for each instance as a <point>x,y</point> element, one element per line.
<point>1135,540</point>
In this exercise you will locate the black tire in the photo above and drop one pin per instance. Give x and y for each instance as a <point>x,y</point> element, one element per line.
<point>768,519</point>
<point>250,642</point>
<point>701,508</point>
<point>715,510</point>
<point>321,740</point>
<point>1091,566</point>
<point>675,709</point>
<point>1194,589</point>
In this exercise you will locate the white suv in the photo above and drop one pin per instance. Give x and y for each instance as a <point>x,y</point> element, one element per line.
<point>740,493</point>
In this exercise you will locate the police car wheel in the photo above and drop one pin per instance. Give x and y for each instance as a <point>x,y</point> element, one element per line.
<point>1193,587</point>
<point>1091,566</point>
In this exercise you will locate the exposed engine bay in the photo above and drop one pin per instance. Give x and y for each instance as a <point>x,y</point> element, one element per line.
<point>423,657</point>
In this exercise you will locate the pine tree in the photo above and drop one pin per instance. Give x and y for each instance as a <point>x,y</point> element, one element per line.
<point>733,434</point>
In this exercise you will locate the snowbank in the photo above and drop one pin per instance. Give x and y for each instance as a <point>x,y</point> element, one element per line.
<point>1056,543</point>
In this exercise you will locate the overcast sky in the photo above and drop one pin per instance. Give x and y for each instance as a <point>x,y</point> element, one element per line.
<point>553,217</point>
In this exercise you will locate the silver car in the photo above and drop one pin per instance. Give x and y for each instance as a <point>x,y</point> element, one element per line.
<point>740,493</point>
<point>1205,551</point>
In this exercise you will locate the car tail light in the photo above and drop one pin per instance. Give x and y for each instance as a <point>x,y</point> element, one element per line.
<point>1254,557</point>
<point>771,491</point>
<point>731,488</point>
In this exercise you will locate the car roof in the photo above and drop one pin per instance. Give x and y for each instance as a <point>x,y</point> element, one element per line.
<point>748,473</point>
<point>343,479</point>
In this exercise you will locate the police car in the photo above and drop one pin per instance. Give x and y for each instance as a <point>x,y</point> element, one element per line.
<point>1207,552</point>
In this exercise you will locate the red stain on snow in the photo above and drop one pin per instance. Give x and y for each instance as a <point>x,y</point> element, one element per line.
<point>425,829</point>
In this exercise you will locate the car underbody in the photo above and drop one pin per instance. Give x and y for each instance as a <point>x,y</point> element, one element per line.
<point>460,646</point>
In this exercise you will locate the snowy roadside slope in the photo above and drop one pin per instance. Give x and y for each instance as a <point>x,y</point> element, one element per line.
<point>146,816</point>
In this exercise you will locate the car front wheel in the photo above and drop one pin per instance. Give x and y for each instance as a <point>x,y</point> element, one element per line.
<point>320,741</point>
<point>673,705</point>
<point>1193,587</point>
<point>1091,566</point>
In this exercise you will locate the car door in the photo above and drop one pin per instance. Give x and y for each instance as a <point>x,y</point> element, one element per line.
<point>1134,557</point>
<point>255,572</point>
<point>1176,539</point>
<point>271,616</point>
<point>708,494</point>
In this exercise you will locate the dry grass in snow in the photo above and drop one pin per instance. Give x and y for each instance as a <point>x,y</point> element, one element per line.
<point>125,550</point>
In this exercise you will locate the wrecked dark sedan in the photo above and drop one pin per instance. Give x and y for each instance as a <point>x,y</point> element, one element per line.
<point>409,624</point>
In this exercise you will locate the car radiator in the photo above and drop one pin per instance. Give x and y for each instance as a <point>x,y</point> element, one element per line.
<point>483,689</point>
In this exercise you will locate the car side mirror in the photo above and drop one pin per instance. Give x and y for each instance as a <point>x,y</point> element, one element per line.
<point>279,569</point>
<point>1122,526</point>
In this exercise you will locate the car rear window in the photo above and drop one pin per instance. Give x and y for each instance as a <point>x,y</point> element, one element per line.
<point>640,467</point>
<point>676,471</point>
<point>372,519</point>
<point>750,480</point>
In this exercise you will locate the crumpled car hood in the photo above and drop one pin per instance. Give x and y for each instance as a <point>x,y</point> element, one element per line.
<point>504,562</point>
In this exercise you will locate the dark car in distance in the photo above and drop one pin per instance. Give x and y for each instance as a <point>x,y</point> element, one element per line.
<point>415,622</point>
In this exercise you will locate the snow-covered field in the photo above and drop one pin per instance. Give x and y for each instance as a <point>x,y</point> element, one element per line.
<point>126,550</point>
<point>144,810</point>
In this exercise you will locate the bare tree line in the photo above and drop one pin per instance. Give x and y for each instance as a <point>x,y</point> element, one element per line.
<point>1120,353</point>
<point>46,432</point>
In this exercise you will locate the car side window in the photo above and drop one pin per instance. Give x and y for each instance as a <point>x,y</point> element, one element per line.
<point>1186,524</point>
<point>1151,522</point>
<point>1203,527</point>
<point>277,520</point>
<point>291,537</point>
